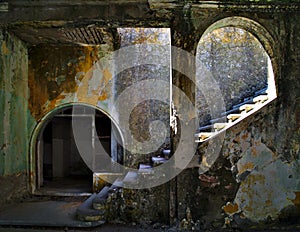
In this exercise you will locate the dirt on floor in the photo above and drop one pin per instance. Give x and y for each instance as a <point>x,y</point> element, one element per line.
<point>139,228</point>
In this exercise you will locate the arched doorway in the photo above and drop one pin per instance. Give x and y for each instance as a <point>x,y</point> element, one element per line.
<point>60,168</point>
<point>237,53</point>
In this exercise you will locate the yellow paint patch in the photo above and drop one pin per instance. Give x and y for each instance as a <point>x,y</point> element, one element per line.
<point>245,167</point>
<point>103,96</point>
<point>5,50</point>
<point>231,208</point>
<point>107,75</point>
<point>296,201</point>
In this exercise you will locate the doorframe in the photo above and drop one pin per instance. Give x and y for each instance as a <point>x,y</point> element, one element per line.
<point>34,177</point>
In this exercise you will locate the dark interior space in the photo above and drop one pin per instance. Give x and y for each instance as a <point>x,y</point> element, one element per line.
<point>62,169</point>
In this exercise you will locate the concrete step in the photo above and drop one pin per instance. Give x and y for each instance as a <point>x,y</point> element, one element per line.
<point>86,212</point>
<point>233,117</point>
<point>131,177</point>
<point>236,112</point>
<point>118,183</point>
<point>207,128</point>
<point>100,179</point>
<point>145,169</point>
<point>158,160</point>
<point>247,107</point>
<point>234,109</point>
<point>99,201</point>
<point>218,120</point>
<point>263,91</point>
<point>260,99</point>
<point>219,126</point>
<point>166,152</point>
<point>202,136</point>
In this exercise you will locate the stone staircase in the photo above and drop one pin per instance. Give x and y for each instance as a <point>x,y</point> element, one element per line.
<point>233,116</point>
<point>103,205</point>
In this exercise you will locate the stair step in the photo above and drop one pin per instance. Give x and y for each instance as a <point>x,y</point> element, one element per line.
<point>261,92</point>
<point>232,111</point>
<point>145,169</point>
<point>247,107</point>
<point>166,152</point>
<point>218,120</point>
<point>260,98</point>
<point>130,177</point>
<point>206,128</point>
<point>158,160</point>
<point>85,211</point>
<point>118,183</point>
<point>100,179</point>
<point>233,117</point>
<point>219,126</point>
<point>202,136</point>
<point>99,201</point>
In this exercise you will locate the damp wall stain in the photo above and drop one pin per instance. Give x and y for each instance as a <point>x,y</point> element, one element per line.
<point>14,136</point>
<point>67,74</point>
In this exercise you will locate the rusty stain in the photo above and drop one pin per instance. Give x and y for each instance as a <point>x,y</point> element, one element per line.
<point>5,49</point>
<point>45,93</point>
<point>245,167</point>
<point>296,201</point>
<point>103,96</point>
<point>231,208</point>
<point>70,205</point>
<point>254,151</point>
<point>268,202</point>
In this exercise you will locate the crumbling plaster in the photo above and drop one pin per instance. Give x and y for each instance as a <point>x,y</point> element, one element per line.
<point>255,177</point>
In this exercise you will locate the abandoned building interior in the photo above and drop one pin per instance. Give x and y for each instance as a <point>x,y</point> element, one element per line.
<point>179,112</point>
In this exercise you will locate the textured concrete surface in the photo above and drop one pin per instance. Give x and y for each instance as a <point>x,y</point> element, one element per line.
<point>44,213</point>
<point>261,153</point>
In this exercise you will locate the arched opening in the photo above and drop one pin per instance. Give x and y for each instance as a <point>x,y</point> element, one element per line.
<point>60,167</point>
<point>237,53</point>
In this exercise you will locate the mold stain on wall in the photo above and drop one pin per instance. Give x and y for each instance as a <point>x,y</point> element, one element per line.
<point>64,74</point>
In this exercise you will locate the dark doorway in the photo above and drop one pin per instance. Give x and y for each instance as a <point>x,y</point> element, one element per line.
<point>61,169</point>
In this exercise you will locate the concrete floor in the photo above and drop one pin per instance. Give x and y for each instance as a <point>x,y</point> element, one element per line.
<point>124,228</point>
<point>43,213</point>
<point>60,215</point>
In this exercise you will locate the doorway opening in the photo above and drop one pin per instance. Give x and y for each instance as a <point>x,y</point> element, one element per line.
<point>61,169</point>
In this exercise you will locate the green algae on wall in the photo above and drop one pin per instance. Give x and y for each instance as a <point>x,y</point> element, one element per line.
<point>14,137</point>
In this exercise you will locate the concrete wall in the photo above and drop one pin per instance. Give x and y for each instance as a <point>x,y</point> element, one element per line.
<point>134,82</point>
<point>254,178</point>
<point>15,117</point>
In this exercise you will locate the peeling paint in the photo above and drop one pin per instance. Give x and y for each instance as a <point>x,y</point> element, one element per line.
<point>5,50</point>
<point>296,201</point>
<point>268,188</point>
<point>68,79</point>
<point>230,208</point>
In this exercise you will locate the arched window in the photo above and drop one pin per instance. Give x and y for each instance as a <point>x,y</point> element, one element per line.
<point>242,72</point>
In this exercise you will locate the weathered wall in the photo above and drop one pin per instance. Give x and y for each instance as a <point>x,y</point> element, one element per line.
<point>61,74</point>
<point>15,118</point>
<point>133,81</point>
<point>255,177</point>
